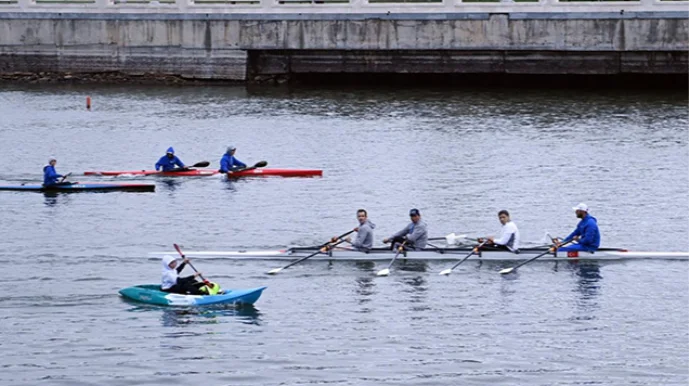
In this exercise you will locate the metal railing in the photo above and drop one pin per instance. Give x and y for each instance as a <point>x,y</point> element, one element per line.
<point>306,7</point>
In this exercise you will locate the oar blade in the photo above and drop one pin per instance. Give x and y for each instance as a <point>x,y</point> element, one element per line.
<point>201,164</point>
<point>506,271</point>
<point>274,271</point>
<point>383,272</point>
<point>260,164</point>
<point>446,272</point>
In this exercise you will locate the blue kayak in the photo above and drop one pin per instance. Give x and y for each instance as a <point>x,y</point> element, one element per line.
<point>151,294</point>
<point>81,187</point>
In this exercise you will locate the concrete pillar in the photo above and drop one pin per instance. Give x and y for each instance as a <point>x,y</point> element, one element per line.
<point>182,4</point>
<point>25,4</point>
<point>102,5</point>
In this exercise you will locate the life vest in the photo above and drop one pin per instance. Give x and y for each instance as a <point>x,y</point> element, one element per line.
<point>210,288</point>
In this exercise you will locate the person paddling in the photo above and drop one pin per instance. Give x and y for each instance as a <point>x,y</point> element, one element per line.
<point>586,234</point>
<point>173,283</point>
<point>168,162</point>
<point>365,233</point>
<point>415,233</point>
<point>228,163</point>
<point>50,176</point>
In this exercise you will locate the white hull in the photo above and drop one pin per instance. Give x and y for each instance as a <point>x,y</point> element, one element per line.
<point>430,254</point>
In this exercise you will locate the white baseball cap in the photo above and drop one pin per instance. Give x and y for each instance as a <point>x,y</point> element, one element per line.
<point>581,206</point>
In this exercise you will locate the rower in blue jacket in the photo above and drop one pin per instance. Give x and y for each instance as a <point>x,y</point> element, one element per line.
<point>50,176</point>
<point>586,234</point>
<point>229,162</point>
<point>168,162</point>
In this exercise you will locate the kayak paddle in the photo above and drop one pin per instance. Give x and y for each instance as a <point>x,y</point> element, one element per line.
<point>201,164</point>
<point>276,270</point>
<point>257,165</point>
<point>553,249</point>
<point>190,263</point>
<point>387,271</point>
<point>65,177</point>
<point>474,250</point>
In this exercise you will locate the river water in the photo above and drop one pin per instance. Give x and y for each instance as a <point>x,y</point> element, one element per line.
<point>458,156</point>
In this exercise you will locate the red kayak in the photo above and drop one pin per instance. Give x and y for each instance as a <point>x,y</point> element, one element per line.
<point>202,173</point>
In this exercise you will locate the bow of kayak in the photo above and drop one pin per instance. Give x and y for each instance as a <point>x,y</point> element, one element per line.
<point>206,173</point>
<point>151,294</point>
<point>81,187</point>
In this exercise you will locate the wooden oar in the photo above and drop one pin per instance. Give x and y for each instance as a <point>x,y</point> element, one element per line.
<point>387,270</point>
<point>257,165</point>
<point>190,264</point>
<point>474,250</point>
<point>553,248</point>
<point>328,244</point>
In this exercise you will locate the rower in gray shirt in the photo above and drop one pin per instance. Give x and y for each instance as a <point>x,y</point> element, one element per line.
<point>365,233</point>
<point>415,233</point>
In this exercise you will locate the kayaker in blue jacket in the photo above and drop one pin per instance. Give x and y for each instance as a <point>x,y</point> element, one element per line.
<point>229,162</point>
<point>586,234</point>
<point>50,176</point>
<point>168,162</point>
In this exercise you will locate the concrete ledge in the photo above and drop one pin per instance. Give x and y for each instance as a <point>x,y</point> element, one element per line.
<point>463,62</point>
<point>618,15</point>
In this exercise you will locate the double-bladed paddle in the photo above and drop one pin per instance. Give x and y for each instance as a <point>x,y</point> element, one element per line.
<point>553,249</point>
<point>257,165</point>
<point>474,250</point>
<point>201,164</point>
<point>328,244</point>
<point>386,271</point>
<point>190,263</point>
<point>65,177</point>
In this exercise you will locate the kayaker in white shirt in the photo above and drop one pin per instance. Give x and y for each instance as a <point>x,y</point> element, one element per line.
<point>172,282</point>
<point>510,235</point>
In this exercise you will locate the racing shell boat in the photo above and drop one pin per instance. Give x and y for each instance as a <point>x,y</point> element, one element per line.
<point>152,294</point>
<point>80,187</point>
<point>450,253</point>
<point>206,173</point>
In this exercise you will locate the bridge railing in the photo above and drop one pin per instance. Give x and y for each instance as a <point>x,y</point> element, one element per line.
<point>306,7</point>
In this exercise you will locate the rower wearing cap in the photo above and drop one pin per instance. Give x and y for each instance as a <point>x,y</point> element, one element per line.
<point>510,235</point>
<point>229,162</point>
<point>586,234</point>
<point>415,233</point>
<point>50,176</point>
<point>168,162</point>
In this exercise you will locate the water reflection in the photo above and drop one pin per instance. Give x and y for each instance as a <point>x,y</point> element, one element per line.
<point>230,184</point>
<point>175,317</point>
<point>170,184</point>
<point>588,276</point>
<point>182,316</point>
<point>50,199</point>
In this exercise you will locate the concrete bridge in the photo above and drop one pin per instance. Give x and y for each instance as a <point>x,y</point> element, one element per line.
<point>249,39</point>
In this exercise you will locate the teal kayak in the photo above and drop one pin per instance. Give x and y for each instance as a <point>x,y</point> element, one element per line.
<point>151,294</point>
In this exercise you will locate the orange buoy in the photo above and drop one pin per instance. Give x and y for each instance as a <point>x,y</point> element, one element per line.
<point>88,103</point>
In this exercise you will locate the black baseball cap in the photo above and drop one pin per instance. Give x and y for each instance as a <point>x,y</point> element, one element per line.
<point>414,212</point>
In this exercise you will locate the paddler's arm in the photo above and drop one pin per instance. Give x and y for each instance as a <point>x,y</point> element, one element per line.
<point>181,266</point>
<point>179,162</point>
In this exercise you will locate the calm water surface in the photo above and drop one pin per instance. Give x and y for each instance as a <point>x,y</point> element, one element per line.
<point>458,156</point>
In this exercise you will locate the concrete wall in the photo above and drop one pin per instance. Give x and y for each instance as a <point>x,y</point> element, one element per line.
<point>217,46</point>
